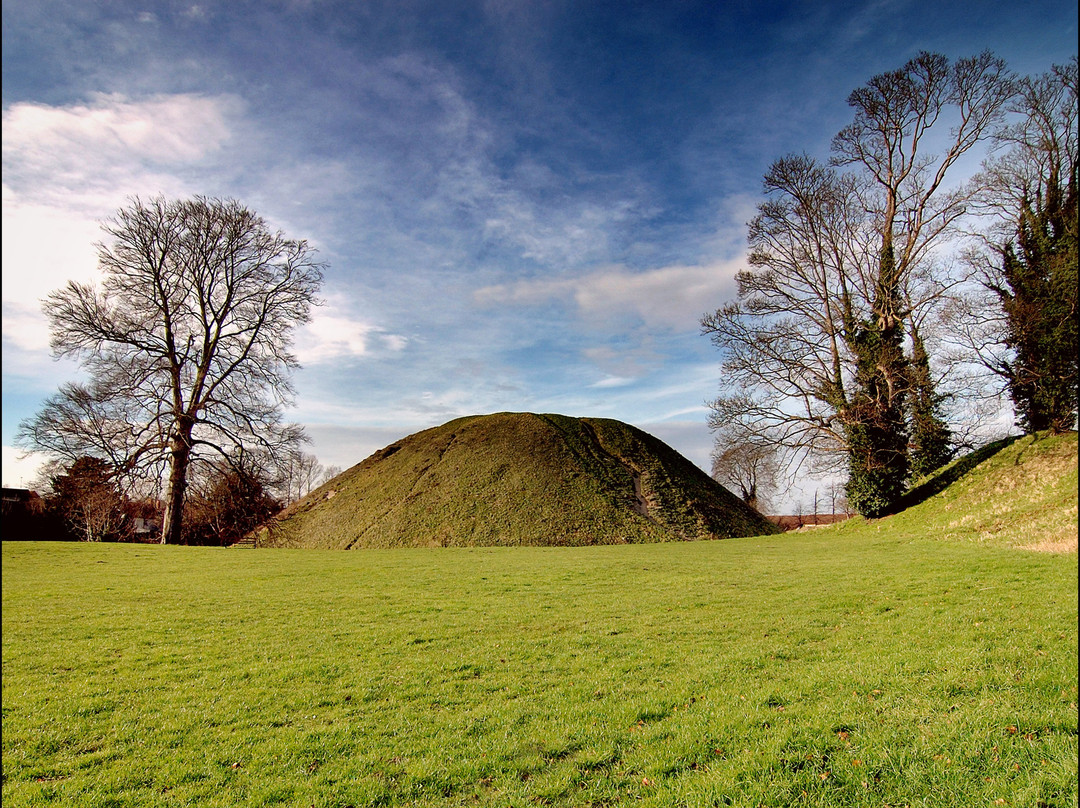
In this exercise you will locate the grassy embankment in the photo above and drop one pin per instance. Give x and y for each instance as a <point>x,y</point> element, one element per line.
<point>915,660</point>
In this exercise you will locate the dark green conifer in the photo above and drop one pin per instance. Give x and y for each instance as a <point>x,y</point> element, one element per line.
<point>1039,299</point>
<point>875,421</point>
<point>930,436</point>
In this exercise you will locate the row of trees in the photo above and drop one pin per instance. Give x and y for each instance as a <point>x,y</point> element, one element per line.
<point>871,278</point>
<point>185,349</point>
<point>223,502</point>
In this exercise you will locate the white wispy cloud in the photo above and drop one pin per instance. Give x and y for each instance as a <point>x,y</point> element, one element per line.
<point>25,329</point>
<point>44,246</point>
<point>66,168</point>
<point>334,334</point>
<point>111,143</point>
<point>572,234</point>
<point>21,469</point>
<point>613,381</point>
<point>672,297</point>
<point>428,169</point>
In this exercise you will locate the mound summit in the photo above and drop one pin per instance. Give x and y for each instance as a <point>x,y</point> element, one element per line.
<point>517,479</point>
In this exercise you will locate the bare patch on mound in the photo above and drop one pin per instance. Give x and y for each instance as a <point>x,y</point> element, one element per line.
<point>1068,545</point>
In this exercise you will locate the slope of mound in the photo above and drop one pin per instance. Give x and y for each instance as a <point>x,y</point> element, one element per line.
<point>517,479</point>
<point>1019,492</point>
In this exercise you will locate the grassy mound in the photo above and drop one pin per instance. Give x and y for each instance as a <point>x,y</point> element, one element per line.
<point>1019,492</point>
<point>517,479</point>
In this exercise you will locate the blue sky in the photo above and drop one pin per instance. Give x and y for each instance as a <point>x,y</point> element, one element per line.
<point>523,205</point>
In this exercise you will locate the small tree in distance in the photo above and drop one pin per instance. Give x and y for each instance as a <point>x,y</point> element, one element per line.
<point>85,497</point>
<point>185,343</point>
<point>302,473</point>
<point>329,473</point>
<point>747,466</point>
<point>229,502</point>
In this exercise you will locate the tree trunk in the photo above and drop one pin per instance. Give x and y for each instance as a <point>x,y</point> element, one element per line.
<point>179,458</point>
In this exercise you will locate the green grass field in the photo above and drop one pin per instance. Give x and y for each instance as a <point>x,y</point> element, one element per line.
<point>911,661</point>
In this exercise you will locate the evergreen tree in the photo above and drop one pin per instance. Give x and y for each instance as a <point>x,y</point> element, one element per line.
<point>1039,299</point>
<point>875,419</point>
<point>930,435</point>
<point>85,497</point>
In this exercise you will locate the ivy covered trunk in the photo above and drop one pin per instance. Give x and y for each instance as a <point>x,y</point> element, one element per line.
<point>931,438</point>
<point>875,420</point>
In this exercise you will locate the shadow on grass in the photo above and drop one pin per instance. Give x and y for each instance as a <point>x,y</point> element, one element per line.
<point>950,474</point>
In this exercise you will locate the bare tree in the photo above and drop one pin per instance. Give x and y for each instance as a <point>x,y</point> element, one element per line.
<point>914,211</point>
<point>837,498</point>
<point>787,366</point>
<point>302,473</point>
<point>1040,148</point>
<point>329,473</point>
<point>185,343</point>
<point>750,468</point>
<point>889,140</point>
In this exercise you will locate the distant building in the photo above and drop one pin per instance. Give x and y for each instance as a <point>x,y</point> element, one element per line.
<point>24,517</point>
<point>145,519</point>
<point>144,530</point>
<point>16,496</point>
